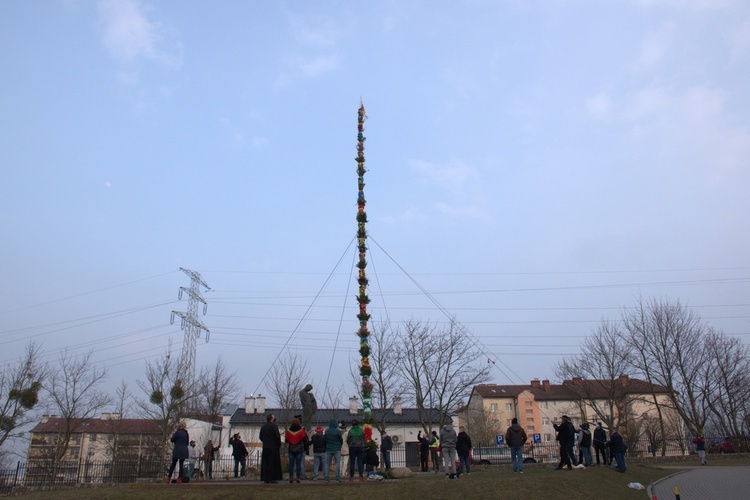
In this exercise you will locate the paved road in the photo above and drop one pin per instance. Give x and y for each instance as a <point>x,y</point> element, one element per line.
<point>706,483</point>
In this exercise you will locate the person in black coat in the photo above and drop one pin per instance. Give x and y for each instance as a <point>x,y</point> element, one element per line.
<point>386,448</point>
<point>617,445</point>
<point>566,434</point>
<point>270,465</point>
<point>180,438</point>
<point>371,459</point>
<point>424,450</point>
<point>600,443</point>
<point>239,452</point>
<point>463,448</point>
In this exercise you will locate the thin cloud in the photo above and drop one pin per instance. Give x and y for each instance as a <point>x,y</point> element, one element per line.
<point>460,182</point>
<point>129,35</point>
<point>452,176</point>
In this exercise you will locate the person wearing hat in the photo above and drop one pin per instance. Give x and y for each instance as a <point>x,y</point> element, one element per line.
<point>600,443</point>
<point>319,451</point>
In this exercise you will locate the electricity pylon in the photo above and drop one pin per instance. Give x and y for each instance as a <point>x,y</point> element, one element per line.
<point>191,325</point>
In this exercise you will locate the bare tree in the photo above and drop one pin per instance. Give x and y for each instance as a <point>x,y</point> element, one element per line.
<point>75,395</point>
<point>166,398</point>
<point>118,445</point>
<point>216,387</point>
<point>286,379</point>
<point>483,425</point>
<point>384,352</point>
<point>440,367</point>
<point>333,397</point>
<point>728,361</point>
<point>20,386</point>
<point>668,343</point>
<point>595,374</point>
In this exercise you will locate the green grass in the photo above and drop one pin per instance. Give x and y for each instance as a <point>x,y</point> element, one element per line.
<point>536,482</point>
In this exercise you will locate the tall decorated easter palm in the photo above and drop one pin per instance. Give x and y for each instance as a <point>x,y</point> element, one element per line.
<point>362,299</point>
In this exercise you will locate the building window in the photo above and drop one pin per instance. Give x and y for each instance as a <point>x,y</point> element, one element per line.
<point>529,420</point>
<point>529,412</point>
<point>509,422</point>
<point>508,406</point>
<point>547,438</point>
<point>92,437</point>
<point>496,422</point>
<point>545,421</point>
<point>528,403</point>
<point>493,407</point>
<point>530,428</point>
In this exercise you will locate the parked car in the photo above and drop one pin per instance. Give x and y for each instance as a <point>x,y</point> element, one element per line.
<point>725,446</point>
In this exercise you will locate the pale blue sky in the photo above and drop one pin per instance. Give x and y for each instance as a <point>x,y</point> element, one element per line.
<point>533,165</point>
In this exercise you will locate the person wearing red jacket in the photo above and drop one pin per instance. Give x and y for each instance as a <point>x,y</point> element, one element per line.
<point>297,443</point>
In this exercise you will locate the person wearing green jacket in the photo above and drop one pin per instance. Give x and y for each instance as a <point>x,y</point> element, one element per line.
<point>356,442</point>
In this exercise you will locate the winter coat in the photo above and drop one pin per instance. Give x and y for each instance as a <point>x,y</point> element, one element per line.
<point>333,436</point>
<point>371,458</point>
<point>700,444</point>
<point>270,436</point>
<point>566,433</point>
<point>356,437</point>
<point>209,450</point>
<point>515,436</point>
<point>387,444</point>
<point>600,437</point>
<point>192,455</point>
<point>616,443</point>
<point>180,439</point>
<point>463,443</point>
<point>448,437</point>
<point>584,437</point>
<point>424,443</point>
<point>296,439</point>
<point>238,448</point>
<point>318,442</point>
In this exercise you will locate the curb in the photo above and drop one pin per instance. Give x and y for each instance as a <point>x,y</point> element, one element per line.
<point>649,488</point>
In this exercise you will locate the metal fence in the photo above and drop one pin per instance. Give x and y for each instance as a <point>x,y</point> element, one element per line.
<point>43,473</point>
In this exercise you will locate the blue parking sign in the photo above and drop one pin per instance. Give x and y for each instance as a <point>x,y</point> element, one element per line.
<point>537,438</point>
<point>500,440</point>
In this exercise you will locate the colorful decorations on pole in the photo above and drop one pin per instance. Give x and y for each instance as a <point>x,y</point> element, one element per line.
<point>362,299</point>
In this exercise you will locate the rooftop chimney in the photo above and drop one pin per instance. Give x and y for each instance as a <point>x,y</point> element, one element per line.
<point>397,406</point>
<point>545,385</point>
<point>249,404</point>
<point>260,404</point>
<point>624,380</point>
<point>535,383</point>
<point>353,405</point>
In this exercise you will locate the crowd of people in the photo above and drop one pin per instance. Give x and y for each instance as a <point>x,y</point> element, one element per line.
<point>339,449</point>
<point>568,436</point>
